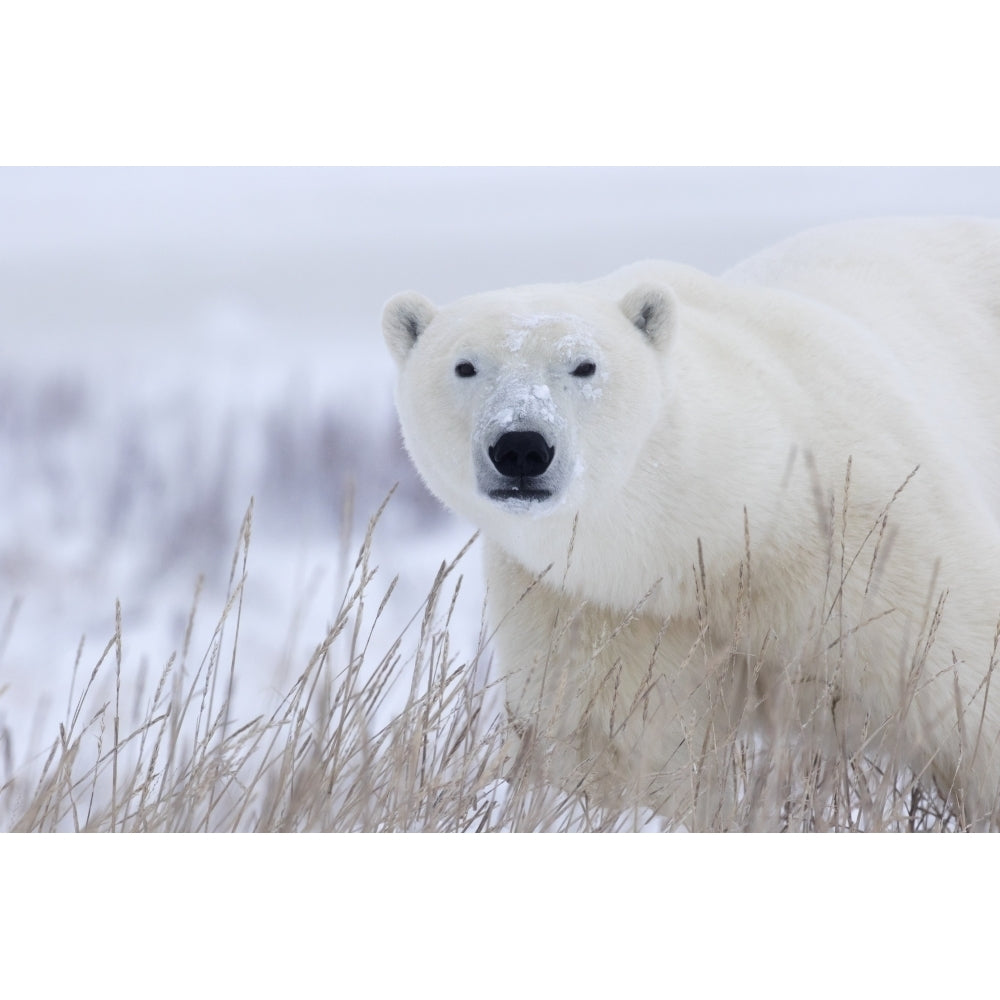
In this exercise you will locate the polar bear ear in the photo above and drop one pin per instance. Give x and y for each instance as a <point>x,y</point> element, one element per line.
<point>404,318</point>
<point>653,310</point>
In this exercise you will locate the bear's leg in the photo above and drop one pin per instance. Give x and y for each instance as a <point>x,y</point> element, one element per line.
<point>630,710</point>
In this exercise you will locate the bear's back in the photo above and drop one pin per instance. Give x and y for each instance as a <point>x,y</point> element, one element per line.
<point>918,303</point>
<point>856,266</point>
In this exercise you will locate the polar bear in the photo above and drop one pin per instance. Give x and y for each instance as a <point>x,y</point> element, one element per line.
<point>762,502</point>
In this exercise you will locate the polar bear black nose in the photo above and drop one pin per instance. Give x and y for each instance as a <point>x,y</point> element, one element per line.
<point>521,454</point>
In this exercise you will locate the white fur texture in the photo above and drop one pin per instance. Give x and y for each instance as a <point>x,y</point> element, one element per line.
<point>630,606</point>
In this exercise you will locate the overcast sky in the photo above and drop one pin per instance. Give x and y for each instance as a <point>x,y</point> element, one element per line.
<point>89,253</point>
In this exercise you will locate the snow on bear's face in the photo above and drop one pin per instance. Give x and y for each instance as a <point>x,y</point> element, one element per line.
<point>529,401</point>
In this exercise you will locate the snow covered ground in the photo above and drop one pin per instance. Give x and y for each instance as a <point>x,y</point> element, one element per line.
<point>174,342</point>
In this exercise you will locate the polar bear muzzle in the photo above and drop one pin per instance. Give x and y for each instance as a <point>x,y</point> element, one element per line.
<point>521,457</point>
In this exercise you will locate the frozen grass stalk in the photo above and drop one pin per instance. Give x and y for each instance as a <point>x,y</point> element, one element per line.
<point>331,754</point>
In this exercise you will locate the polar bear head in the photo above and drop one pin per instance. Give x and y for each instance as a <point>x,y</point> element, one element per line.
<point>526,402</point>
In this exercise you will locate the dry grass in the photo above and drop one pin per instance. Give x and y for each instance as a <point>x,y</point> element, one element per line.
<point>332,755</point>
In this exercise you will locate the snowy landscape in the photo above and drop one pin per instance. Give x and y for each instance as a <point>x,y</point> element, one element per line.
<point>177,342</point>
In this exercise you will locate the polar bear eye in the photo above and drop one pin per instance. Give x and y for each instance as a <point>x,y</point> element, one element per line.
<point>585,369</point>
<point>465,369</point>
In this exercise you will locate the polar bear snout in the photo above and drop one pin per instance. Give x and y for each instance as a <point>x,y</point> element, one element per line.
<point>521,454</point>
<point>521,458</point>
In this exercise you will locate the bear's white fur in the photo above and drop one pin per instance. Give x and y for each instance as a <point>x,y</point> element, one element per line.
<point>772,495</point>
